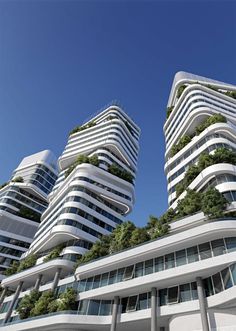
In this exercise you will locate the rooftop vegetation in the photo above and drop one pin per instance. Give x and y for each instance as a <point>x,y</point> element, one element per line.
<point>221,155</point>
<point>18,266</point>
<point>121,173</point>
<point>186,139</point>
<point>18,179</point>
<point>82,159</point>
<point>82,127</point>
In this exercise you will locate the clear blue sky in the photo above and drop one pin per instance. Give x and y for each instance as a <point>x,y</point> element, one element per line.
<point>61,61</point>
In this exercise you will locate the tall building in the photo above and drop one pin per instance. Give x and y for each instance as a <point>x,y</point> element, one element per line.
<point>182,281</point>
<point>22,201</point>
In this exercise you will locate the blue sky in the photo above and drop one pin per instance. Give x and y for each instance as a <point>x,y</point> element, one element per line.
<point>61,61</point>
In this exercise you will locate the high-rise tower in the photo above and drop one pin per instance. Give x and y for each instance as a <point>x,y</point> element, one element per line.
<point>95,187</point>
<point>22,201</point>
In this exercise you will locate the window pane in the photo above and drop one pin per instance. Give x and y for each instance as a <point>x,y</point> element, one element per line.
<point>112,277</point>
<point>180,257</point>
<point>233,271</point>
<point>192,254</point>
<point>96,281</point>
<point>208,286</point>
<point>159,263</point>
<point>230,244</point>
<point>132,303</point>
<point>93,307</point>
<point>218,247</point>
<point>81,285</point>
<point>120,274</point>
<point>139,269</point>
<point>148,267</point>
<point>185,293</point>
<point>124,302</point>
<point>205,251</point>
<point>173,294</point>
<point>104,279</point>
<point>142,302</point>
<point>194,291</point>
<point>163,297</point>
<point>169,261</point>
<point>227,281</point>
<point>128,274</point>
<point>217,283</point>
<point>89,284</point>
<point>105,307</point>
<point>83,307</point>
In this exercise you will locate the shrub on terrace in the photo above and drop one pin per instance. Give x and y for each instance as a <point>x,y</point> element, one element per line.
<point>180,91</point>
<point>81,128</point>
<point>42,305</point>
<point>55,253</point>
<point>231,94</point>
<point>121,173</point>
<point>27,304</point>
<point>180,145</point>
<point>217,118</point>
<point>18,266</point>
<point>169,111</point>
<point>3,185</point>
<point>66,301</point>
<point>213,203</point>
<point>80,160</point>
<point>18,179</point>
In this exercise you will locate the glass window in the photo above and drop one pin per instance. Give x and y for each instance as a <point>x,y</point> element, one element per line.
<point>149,299</point>
<point>217,283</point>
<point>233,272</point>
<point>159,263</point>
<point>120,274</point>
<point>128,273</point>
<point>81,285</point>
<point>205,251</point>
<point>192,254</point>
<point>226,277</point>
<point>83,305</point>
<point>105,307</point>
<point>163,296</point>
<point>139,269</point>
<point>169,261</point>
<point>230,244</point>
<point>112,277</point>
<point>194,291</point>
<point>89,284</point>
<point>124,302</point>
<point>96,281</point>
<point>104,279</point>
<point>208,286</point>
<point>185,292</point>
<point>173,294</point>
<point>218,247</point>
<point>180,257</point>
<point>93,307</point>
<point>132,303</point>
<point>142,301</point>
<point>148,267</point>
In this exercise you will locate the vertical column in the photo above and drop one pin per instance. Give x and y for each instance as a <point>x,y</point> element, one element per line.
<point>114,314</point>
<point>202,304</point>
<point>16,295</point>
<point>153,309</point>
<point>56,279</point>
<point>38,282</point>
<point>2,297</point>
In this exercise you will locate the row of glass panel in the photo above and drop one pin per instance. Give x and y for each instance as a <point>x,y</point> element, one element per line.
<point>171,260</point>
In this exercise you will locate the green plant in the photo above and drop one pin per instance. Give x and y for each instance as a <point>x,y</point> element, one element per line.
<point>12,269</point>
<point>231,94</point>
<point>27,304</point>
<point>26,212</point>
<point>169,111</point>
<point>217,118</point>
<point>180,91</point>
<point>3,185</point>
<point>139,236</point>
<point>190,204</point>
<point>18,179</point>
<point>213,203</point>
<point>181,144</point>
<point>27,263</point>
<point>66,301</point>
<point>121,173</point>
<point>80,160</point>
<point>212,87</point>
<point>42,304</point>
<point>81,128</point>
<point>55,253</point>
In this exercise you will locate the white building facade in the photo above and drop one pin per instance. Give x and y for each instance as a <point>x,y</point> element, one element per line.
<point>183,281</point>
<point>22,201</point>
